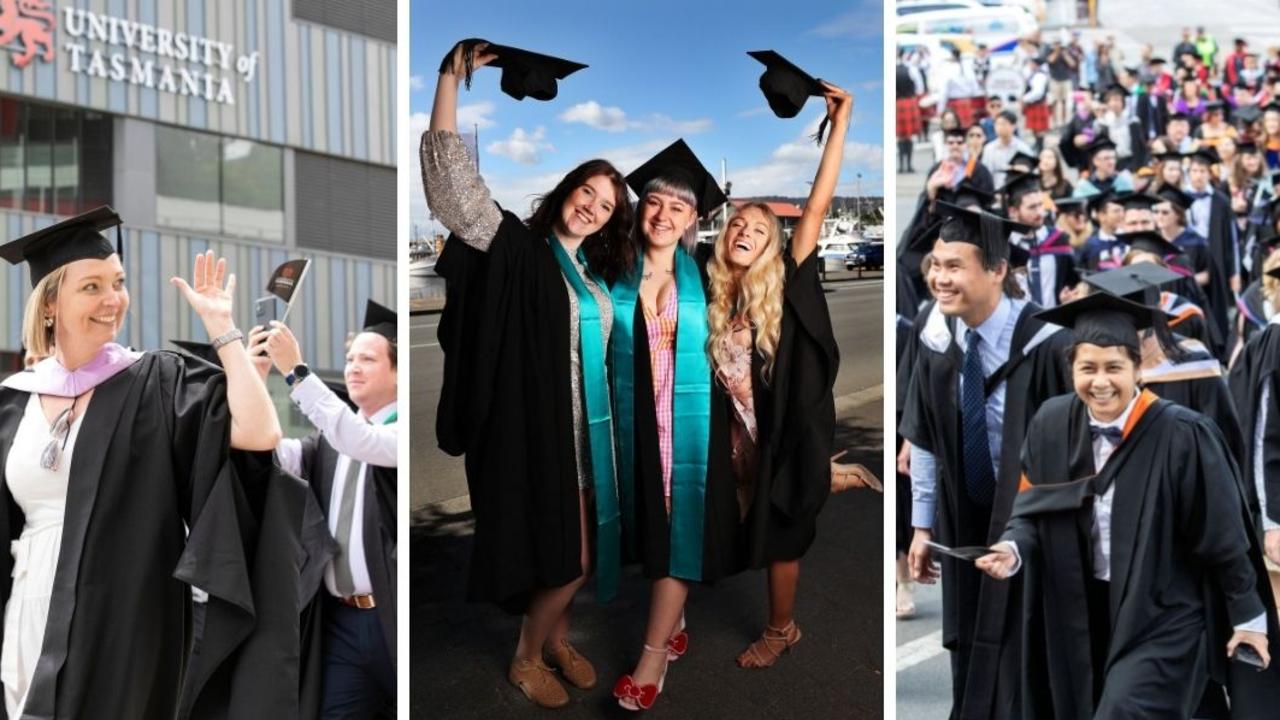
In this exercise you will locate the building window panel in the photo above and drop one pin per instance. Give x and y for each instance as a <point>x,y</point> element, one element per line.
<point>253,190</point>
<point>219,186</point>
<point>187,180</point>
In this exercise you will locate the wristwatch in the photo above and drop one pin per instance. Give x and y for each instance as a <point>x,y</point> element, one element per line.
<point>300,372</point>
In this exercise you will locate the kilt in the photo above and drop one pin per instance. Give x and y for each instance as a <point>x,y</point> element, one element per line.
<point>979,104</point>
<point>909,122</point>
<point>963,110</point>
<point>926,113</point>
<point>1036,116</point>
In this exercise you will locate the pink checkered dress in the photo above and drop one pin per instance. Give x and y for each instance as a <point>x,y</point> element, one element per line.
<point>662,344</point>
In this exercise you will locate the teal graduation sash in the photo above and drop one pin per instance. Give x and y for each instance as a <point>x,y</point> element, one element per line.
<point>690,412</point>
<point>595,391</point>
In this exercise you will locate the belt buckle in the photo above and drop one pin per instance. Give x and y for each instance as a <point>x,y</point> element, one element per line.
<point>362,602</point>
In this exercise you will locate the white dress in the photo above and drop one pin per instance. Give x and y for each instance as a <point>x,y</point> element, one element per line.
<point>42,495</point>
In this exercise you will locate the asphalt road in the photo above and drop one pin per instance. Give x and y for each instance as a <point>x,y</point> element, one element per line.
<point>856,307</point>
<point>460,652</point>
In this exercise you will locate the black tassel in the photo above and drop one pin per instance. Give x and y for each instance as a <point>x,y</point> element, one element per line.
<point>467,57</point>
<point>822,129</point>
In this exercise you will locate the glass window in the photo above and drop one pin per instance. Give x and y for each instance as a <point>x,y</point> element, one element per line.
<point>12,164</point>
<point>66,161</point>
<point>215,185</point>
<point>39,181</point>
<point>253,190</point>
<point>187,180</point>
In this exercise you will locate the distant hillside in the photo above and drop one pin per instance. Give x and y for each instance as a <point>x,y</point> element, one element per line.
<point>838,203</point>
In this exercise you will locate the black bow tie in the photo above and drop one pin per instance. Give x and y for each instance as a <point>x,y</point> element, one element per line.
<point>1112,434</point>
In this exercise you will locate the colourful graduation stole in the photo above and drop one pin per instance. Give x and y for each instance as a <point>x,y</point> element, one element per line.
<point>595,391</point>
<point>690,412</point>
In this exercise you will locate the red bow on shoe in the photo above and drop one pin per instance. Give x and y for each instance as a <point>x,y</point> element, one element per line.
<point>643,695</point>
<point>678,643</point>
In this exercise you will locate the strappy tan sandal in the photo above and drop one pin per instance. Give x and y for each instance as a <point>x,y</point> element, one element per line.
<point>773,644</point>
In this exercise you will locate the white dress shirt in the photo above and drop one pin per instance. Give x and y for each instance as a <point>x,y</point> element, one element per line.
<point>369,441</point>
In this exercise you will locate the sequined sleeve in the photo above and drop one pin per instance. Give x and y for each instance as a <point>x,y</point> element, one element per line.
<point>455,192</point>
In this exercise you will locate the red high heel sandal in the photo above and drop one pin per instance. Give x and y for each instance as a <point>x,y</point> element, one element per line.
<point>633,696</point>
<point>678,643</point>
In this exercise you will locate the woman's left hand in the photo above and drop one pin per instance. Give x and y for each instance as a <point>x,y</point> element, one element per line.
<point>846,476</point>
<point>839,102</point>
<point>207,295</point>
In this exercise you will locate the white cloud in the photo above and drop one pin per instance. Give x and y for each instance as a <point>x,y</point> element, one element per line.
<point>793,164</point>
<point>863,21</point>
<point>593,114</point>
<point>614,119</point>
<point>753,112</point>
<point>475,114</point>
<point>417,82</point>
<point>522,147</point>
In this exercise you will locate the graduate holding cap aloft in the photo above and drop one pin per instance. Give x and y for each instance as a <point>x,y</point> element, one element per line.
<point>983,365</point>
<point>525,335</point>
<point>110,457</point>
<point>1133,536</point>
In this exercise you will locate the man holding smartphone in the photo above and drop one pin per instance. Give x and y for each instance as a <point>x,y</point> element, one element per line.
<point>350,463</point>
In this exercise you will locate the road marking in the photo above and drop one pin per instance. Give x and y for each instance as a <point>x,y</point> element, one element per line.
<point>920,650</point>
<point>846,404</point>
<point>422,345</point>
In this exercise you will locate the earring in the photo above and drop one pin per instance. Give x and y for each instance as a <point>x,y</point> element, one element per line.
<point>48,321</point>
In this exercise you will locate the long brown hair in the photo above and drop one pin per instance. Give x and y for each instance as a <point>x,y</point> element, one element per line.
<point>610,252</point>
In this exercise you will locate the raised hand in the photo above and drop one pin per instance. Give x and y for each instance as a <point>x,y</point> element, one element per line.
<point>283,347</point>
<point>479,58</point>
<point>257,347</point>
<point>839,102</point>
<point>210,292</point>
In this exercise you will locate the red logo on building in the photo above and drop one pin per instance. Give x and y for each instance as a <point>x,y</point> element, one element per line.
<point>30,21</point>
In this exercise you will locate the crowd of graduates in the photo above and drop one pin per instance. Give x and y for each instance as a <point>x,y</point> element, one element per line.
<point>1104,192</point>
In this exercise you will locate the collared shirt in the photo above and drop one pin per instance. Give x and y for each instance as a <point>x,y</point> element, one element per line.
<point>996,156</point>
<point>1259,482</point>
<point>369,441</point>
<point>1199,215</point>
<point>997,343</point>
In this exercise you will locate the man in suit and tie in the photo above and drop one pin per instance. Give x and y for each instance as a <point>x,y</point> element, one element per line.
<point>350,463</point>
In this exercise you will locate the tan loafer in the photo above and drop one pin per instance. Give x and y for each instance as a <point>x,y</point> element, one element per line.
<point>538,683</point>
<point>575,668</point>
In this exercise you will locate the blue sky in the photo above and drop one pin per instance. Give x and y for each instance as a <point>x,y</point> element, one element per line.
<point>659,70</point>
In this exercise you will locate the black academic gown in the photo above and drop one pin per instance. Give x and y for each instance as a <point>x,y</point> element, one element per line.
<point>118,634</point>
<point>506,404</point>
<point>978,621</point>
<point>1184,566</point>
<point>1222,261</point>
<point>319,461</point>
<point>1208,395</point>
<point>1258,366</point>
<point>797,429</point>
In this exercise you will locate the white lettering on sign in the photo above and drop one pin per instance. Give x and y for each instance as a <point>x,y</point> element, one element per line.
<point>207,67</point>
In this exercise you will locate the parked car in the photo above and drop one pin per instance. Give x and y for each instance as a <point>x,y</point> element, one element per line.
<point>867,255</point>
<point>833,255</point>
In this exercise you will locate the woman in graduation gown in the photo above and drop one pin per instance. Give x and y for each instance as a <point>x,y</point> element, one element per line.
<point>774,354</point>
<point>109,457</point>
<point>1142,573</point>
<point>679,507</point>
<point>525,396</point>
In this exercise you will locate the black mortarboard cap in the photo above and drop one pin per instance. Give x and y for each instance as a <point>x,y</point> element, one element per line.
<point>1168,155</point>
<point>1149,241</point>
<point>1101,319</point>
<point>1018,184</point>
<point>1174,195</point>
<point>1206,155</point>
<point>1157,61</point>
<point>1179,115</point>
<point>76,238</point>
<point>1100,143</point>
<point>966,194</point>
<point>1214,105</point>
<point>1115,88</point>
<point>204,351</point>
<point>1246,146</point>
<point>524,73</point>
<point>1071,204</point>
<point>987,231</point>
<point>785,85</point>
<point>1138,200</point>
<point>1097,200</point>
<point>1026,158</point>
<point>677,162</point>
<point>379,319</point>
<point>1140,282</point>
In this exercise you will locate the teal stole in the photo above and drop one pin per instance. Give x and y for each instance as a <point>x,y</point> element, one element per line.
<point>595,391</point>
<point>690,412</point>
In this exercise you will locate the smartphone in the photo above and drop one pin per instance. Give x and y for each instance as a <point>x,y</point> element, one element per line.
<point>1247,655</point>
<point>264,310</point>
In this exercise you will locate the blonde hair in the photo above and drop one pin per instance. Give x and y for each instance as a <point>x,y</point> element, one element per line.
<point>37,338</point>
<point>755,293</point>
<point>1269,284</point>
